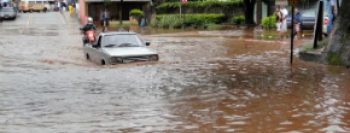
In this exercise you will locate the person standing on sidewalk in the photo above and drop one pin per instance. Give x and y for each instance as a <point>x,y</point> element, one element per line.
<point>278,15</point>
<point>331,13</point>
<point>284,12</point>
<point>104,19</point>
<point>70,8</point>
<point>297,23</point>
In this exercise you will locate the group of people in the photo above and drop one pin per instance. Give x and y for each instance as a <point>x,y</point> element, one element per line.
<point>281,14</point>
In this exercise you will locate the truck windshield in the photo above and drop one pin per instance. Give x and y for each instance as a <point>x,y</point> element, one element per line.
<point>121,41</point>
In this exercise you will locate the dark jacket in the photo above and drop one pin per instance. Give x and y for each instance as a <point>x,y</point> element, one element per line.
<point>298,18</point>
<point>88,27</point>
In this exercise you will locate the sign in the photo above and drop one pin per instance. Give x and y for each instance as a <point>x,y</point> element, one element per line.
<point>183,1</point>
<point>293,2</point>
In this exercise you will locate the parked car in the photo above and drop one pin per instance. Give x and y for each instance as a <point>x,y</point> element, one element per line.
<point>1,15</point>
<point>8,13</point>
<point>118,47</point>
<point>308,20</point>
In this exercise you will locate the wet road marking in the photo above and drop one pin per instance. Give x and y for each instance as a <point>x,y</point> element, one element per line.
<point>63,18</point>
<point>29,18</point>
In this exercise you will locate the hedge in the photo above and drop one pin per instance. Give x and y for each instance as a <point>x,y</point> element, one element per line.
<point>194,20</point>
<point>166,6</point>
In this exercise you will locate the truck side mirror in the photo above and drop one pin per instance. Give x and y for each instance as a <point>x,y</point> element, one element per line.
<point>96,46</point>
<point>148,43</point>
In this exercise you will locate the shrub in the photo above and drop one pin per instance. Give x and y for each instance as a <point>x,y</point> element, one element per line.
<point>199,5</point>
<point>334,58</point>
<point>201,19</point>
<point>136,13</point>
<point>269,22</point>
<point>237,20</point>
<point>195,20</point>
<point>214,26</point>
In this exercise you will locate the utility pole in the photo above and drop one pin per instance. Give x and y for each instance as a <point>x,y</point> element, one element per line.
<point>318,25</point>
<point>293,3</point>
<point>292,37</point>
<point>121,12</point>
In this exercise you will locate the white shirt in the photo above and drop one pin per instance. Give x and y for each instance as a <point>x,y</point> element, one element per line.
<point>284,12</point>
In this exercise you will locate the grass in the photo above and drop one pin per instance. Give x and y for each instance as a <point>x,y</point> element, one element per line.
<point>269,35</point>
<point>334,58</point>
<point>116,25</point>
<point>214,26</point>
<point>309,46</point>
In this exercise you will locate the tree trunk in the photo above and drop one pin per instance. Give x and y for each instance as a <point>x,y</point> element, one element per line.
<point>270,7</point>
<point>338,50</point>
<point>249,11</point>
<point>258,11</point>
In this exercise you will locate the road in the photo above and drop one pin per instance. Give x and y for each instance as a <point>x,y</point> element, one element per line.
<point>202,83</point>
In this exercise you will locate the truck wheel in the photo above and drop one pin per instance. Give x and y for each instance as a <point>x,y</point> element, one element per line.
<point>87,57</point>
<point>103,62</point>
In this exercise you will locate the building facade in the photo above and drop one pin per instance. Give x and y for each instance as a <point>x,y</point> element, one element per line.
<point>93,8</point>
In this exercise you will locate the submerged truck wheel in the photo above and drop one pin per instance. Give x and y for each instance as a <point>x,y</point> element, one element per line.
<point>103,62</point>
<point>87,56</point>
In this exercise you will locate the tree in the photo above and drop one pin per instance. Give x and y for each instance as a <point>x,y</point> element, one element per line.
<point>270,6</point>
<point>249,11</point>
<point>106,3</point>
<point>338,50</point>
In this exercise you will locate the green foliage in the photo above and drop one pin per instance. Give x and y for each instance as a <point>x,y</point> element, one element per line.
<point>116,25</point>
<point>269,22</point>
<point>106,3</point>
<point>200,19</point>
<point>137,13</point>
<point>214,26</point>
<point>309,46</point>
<point>194,20</point>
<point>238,20</point>
<point>198,5</point>
<point>334,58</point>
<point>171,21</point>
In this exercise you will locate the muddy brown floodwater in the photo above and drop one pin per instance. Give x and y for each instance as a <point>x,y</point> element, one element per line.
<point>202,83</point>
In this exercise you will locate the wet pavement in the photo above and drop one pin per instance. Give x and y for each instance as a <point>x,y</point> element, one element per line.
<point>202,83</point>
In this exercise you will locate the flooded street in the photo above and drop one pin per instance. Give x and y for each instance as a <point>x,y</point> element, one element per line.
<point>205,81</point>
